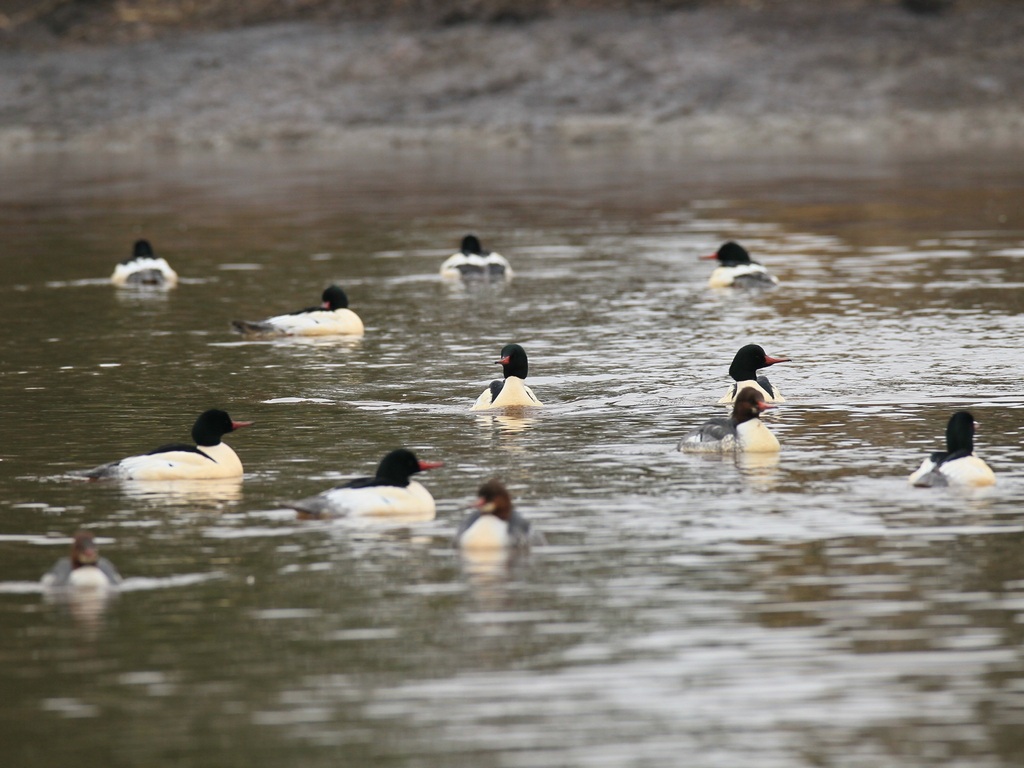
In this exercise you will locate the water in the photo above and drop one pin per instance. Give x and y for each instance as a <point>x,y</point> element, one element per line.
<point>805,611</point>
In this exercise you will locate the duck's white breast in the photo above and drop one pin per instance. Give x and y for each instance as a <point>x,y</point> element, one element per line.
<point>488,532</point>
<point>513,393</point>
<point>89,577</point>
<point>754,437</point>
<point>730,396</point>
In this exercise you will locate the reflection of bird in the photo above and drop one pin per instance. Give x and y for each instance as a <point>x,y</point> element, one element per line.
<point>209,458</point>
<point>389,492</point>
<point>745,365</point>
<point>742,431</point>
<point>84,568</point>
<point>144,267</point>
<point>736,269</point>
<point>494,524</point>
<point>331,318</point>
<point>471,262</point>
<point>958,466</point>
<point>512,390</point>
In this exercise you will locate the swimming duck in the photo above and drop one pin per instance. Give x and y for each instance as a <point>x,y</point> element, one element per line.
<point>745,365</point>
<point>84,567</point>
<point>957,466</point>
<point>331,318</point>
<point>471,262</point>
<point>144,268</point>
<point>208,459</point>
<point>494,524</point>
<point>742,431</point>
<point>389,492</point>
<point>736,269</point>
<point>512,390</point>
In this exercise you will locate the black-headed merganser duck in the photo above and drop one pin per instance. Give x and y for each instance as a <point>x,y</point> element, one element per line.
<point>144,268</point>
<point>742,431</point>
<point>331,318</point>
<point>745,365</point>
<point>958,466</point>
<point>84,568</point>
<point>390,492</point>
<point>494,524</point>
<point>471,262</point>
<point>736,269</point>
<point>512,390</point>
<point>208,459</point>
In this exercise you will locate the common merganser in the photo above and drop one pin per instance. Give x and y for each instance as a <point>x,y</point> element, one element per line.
<point>494,524</point>
<point>84,568</point>
<point>331,318</point>
<point>742,431</point>
<point>144,268</point>
<point>512,390</point>
<point>745,365</point>
<point>390,492</point>
<point>208,459</point>
<point>471,262</point>
<point>958,466</point>
<point>736,269</point>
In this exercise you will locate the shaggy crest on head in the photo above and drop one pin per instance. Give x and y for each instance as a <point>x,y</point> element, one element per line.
<point>84,567</point>
<point>742,431</point>
<point>494,524</point>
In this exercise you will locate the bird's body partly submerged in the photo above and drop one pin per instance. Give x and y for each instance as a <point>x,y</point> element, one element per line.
<point>471,262</point>
<point>144,269</point>
<point>390,492</point>
<point>745,365</point>
<point>512,390</point>
<point>331,318</point>
<point>494,525</point>
<point>84,568</point>
<point>957,465</point>
<point>737,270</point>
<point>742,431</point>
<point>208,459</point>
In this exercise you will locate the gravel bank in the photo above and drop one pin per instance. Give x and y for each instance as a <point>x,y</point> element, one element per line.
<point>736,77</point>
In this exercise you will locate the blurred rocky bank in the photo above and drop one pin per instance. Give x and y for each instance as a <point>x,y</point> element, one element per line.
<point>163,75</point>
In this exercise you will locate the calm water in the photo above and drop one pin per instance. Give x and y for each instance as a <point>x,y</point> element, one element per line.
<point>807,611</point>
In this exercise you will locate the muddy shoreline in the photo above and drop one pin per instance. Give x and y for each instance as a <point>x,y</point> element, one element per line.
<point>716,78</point>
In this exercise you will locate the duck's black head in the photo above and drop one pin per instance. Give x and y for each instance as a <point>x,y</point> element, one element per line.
<point>142,249</point>
<point>732,254</point>
<point>212,425</point>
<point>334,297</point>
<point>749,360</point>
<point>471,245</point>
<point>513,361</point>
<point>960,433</point>
<point>396,467</point>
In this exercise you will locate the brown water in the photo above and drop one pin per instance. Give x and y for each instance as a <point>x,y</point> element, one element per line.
<point>809,611</point>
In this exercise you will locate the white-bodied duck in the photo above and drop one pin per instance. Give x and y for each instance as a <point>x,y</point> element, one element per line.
<point>512,390</point>
<point>208,459</point>
<point>331,318</point>
<point>144,269</point>
<point>957,466</point>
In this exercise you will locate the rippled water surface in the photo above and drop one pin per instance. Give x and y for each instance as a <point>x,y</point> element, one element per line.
<point>809,610</point>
